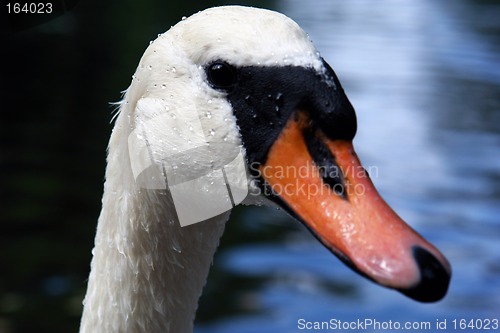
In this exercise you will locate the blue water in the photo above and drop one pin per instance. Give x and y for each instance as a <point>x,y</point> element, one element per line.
<point>424,77</point>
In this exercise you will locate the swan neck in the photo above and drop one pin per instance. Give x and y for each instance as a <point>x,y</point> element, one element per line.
<point>147,272</point>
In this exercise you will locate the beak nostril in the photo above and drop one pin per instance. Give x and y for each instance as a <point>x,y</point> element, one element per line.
<point>330,172</point>
<point>434,277</point>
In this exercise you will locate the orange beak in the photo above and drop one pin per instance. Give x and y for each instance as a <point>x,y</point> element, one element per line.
<point>322,183</point>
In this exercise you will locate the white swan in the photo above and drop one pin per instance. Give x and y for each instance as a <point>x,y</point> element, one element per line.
<point>258,85</point>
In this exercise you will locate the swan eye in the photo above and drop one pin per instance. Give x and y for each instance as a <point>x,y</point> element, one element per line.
<point>221,75</point>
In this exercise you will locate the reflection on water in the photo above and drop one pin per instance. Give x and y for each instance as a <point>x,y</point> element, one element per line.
<point>424,77</point>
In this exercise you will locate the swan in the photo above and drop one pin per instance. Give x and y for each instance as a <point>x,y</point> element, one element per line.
<point>262,95</point>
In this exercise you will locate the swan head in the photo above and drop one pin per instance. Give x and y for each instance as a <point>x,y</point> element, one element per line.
<point>246,90</point>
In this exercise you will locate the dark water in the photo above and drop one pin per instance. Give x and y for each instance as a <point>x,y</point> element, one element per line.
<point>424,77</point>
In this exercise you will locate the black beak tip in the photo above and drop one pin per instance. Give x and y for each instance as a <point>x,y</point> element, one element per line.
<point>434,281</point>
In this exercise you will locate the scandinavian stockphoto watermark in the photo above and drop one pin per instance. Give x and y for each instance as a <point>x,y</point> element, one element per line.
<point>208,177</point>
<point>389,325</point>
<point>297,177</point>
<point>204,178</point>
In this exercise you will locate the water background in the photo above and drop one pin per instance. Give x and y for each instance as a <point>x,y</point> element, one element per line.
<point>424,78</point>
